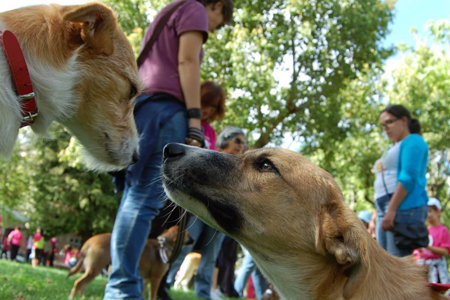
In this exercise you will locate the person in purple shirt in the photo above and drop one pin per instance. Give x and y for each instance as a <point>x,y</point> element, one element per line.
<point>167,111</point>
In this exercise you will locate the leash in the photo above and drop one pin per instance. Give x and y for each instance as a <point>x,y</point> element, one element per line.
<point>178,244</point>
<point>20,77</point>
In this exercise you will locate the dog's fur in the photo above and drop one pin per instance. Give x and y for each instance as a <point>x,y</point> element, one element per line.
<point>84,75</point>
<point>187,270</point>
<point>95,255</point>
<point>291,216</point>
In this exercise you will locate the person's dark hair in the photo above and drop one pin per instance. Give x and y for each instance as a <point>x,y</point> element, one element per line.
<point>212,94</point>
<point>399,111</point>
<point>227,9</point>
<point>227,133</point>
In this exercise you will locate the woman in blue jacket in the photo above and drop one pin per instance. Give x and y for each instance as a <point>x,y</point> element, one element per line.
<point>400,177</point>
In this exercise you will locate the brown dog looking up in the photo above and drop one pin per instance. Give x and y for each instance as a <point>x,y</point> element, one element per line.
<point>291,216</point>
<point>95,255</point>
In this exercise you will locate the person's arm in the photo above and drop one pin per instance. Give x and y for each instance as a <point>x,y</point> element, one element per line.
<point>397,199</point>
<point>372,224</point>
<point>438,250</point>
<point>189,70</point>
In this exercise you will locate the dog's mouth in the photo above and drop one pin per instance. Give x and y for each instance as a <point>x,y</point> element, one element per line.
<point>188,181</point>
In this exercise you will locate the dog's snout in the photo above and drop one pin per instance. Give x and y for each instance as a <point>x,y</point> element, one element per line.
<point>172,150</point>
<point>135,156</point>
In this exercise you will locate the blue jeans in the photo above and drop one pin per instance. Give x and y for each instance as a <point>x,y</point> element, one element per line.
<point>210,248</point>
<point>140,204</point>
<point>249,267</point>
<point>386,238</point>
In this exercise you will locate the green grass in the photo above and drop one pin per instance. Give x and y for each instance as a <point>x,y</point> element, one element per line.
<point>19,281</point>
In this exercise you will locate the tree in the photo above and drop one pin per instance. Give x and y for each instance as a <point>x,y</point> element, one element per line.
<point>321,46</point>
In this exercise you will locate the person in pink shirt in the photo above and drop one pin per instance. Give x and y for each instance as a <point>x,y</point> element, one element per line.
<point>5,248</point>
<point>14,240</point>
<point>213,108</point>
<point>434,254</point>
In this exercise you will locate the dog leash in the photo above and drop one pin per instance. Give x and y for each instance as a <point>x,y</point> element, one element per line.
<point>179,243</point>
<point>21,77</point>
<point>162,244</point>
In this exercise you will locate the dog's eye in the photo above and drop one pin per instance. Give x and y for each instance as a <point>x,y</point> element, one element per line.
<point>266,165</point>
<point>133,91</point>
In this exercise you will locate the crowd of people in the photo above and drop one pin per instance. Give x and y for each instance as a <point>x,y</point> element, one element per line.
<point>36,249</point>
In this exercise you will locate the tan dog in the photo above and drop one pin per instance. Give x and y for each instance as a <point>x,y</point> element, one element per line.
<point>95,255</point>
<point>292,217</point>
<point>187,270</point>
<point>84,76</point>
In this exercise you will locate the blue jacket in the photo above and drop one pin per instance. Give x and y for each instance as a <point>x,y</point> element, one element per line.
<point>412,169</point>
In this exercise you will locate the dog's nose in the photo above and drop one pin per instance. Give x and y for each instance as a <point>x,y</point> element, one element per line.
<point>173,150</point>
<point>135,156</point>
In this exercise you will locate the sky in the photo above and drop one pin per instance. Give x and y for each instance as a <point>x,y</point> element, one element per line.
<point>408,13</point>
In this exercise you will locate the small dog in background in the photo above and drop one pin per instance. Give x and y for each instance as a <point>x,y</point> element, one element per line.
<point>95,255</point>
<point>84,76</point>
<point>187,270</point>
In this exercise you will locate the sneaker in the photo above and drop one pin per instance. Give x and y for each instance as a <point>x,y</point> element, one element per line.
<point>216,295</point>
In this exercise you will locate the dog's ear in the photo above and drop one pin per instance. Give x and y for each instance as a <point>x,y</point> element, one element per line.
<point>339,234</point>
<point>98,26</point>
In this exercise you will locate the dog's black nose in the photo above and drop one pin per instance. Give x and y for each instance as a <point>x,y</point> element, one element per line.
<point>173,150</point>
<point>135,156</point>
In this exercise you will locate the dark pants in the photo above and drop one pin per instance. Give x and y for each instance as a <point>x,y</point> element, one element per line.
<point>13,251</point>
<point>226,262</point>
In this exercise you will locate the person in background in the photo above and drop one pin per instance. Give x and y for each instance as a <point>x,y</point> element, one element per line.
<point>38,247</point>
<point>29,248</point>
<point>54,245</point>
<point>231,141</point>
<point>248,268</point>
<point>213,108</point>
<point>400,178</point>
<point>167,111</point>
<point>15,240</point>
<point>1,228</point>
<point>435,254</point>
<point>365,217</point>
<point>5,248</point>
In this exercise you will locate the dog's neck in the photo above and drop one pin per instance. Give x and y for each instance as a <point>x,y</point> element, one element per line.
<point>308,276</point>
<point>50,83</point>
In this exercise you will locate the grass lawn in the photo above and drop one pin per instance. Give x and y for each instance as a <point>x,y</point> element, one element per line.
<point>19,281</point>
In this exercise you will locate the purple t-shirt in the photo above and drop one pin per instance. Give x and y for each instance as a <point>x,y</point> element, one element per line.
<point>159,72</point>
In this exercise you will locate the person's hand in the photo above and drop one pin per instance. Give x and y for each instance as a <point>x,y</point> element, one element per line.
<point>388,221</point>
<point>371,229</point>
<point>193,142</point>
<point>195,137</point>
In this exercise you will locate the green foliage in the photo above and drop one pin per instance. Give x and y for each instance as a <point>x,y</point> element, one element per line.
<point>285,63</point>
<point>46,181</point>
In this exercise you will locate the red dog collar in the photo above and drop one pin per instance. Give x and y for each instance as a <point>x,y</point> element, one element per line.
<point>20,76</point>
